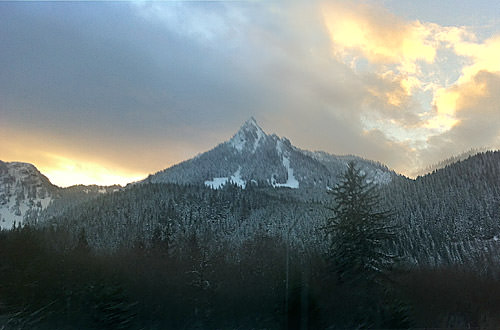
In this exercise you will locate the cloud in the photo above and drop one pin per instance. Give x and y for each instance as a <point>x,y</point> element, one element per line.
<point>481,57</point>
<point>379,35</point>
<point>424,79</point>
<point>478,115</point>
<point>408,57</point>
<point>468,108</point>
<point>145,86</point>
<point>394,49</point>
<point>141,86</point>
<point>484,57</point>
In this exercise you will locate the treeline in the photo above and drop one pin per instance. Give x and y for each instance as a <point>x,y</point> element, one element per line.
<point>172,213</point>
<point>445,218</point>
<point>269,286</point>
<point>450,216</point>
<point>159,256</point>
<point>151,288</point>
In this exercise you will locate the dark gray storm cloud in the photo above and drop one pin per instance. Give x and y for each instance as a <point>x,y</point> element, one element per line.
<point>106,68</point>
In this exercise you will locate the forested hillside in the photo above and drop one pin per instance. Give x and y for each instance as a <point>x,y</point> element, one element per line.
<point>447,217</point>
<point>451,215</point>
<point>188,256</point>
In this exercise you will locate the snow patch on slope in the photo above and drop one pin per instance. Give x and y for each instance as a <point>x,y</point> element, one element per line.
<point>260,135</point>
<point>279,147</point>
<point>237,180</point>
<point>238,142</point>
<point>218,183</point>
<point>381,177</point>
<point>8,215</point>
<point>291,181</point>
<point>14,212</point>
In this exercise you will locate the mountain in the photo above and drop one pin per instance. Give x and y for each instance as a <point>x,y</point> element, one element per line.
<point>450,215</point>
<point>449,161</point>
<point>252,157</point>
<point>447,217</point>
<point>24,192</point>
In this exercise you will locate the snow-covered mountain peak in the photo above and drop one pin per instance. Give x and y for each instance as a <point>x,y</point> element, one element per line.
<point>25,174</point>
<point>253,158</point>
<point>249,136</point>
<point>22,171</point>
<point>251,123</point>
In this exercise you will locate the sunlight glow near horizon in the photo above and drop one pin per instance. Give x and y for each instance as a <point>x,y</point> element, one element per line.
<point>67,172</point>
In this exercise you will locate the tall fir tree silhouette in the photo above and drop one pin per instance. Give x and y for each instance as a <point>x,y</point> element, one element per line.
<point>359,229</point>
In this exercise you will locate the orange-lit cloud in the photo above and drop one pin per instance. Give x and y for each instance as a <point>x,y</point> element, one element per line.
<point>406,57</point>
<point>481,57</point>
<point>396,49</point>
<point>478,126</point>
<point>484,56</point>
<point>445,105</point>
<point>379,35</point>
<point>478,57</point>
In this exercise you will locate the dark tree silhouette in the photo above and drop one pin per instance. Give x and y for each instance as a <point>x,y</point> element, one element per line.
<point>359,230</point>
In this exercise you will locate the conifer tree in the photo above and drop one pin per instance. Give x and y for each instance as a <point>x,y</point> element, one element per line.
<point>359,230</point>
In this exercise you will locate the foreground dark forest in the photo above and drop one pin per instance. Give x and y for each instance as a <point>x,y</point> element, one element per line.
<point>139,288</point>
<point>170,256</point>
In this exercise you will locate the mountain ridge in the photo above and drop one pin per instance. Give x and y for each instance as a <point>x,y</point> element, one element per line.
<point>448,216</point>
<point>25,193</point>
<point>251,156</point>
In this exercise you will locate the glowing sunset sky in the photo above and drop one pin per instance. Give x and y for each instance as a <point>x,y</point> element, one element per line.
<point>108,92</point>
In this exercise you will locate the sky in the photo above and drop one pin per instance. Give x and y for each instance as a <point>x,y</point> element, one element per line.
<point>108,92</point>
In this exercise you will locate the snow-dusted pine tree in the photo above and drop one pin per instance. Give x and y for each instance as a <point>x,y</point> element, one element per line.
<point>358,230</point>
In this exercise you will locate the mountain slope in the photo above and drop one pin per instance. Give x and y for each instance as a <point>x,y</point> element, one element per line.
<point>449,161</point>
<point>253,157</point>
<point>447,217</point>
<point>24,192</point>
<point>450,215</point>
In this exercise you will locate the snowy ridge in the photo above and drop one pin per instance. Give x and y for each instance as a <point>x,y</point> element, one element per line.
<point>26,194</point>
<point>376,173</point>
<point>252,156</point>
<point>380,177</point>
<point>260,135</point>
